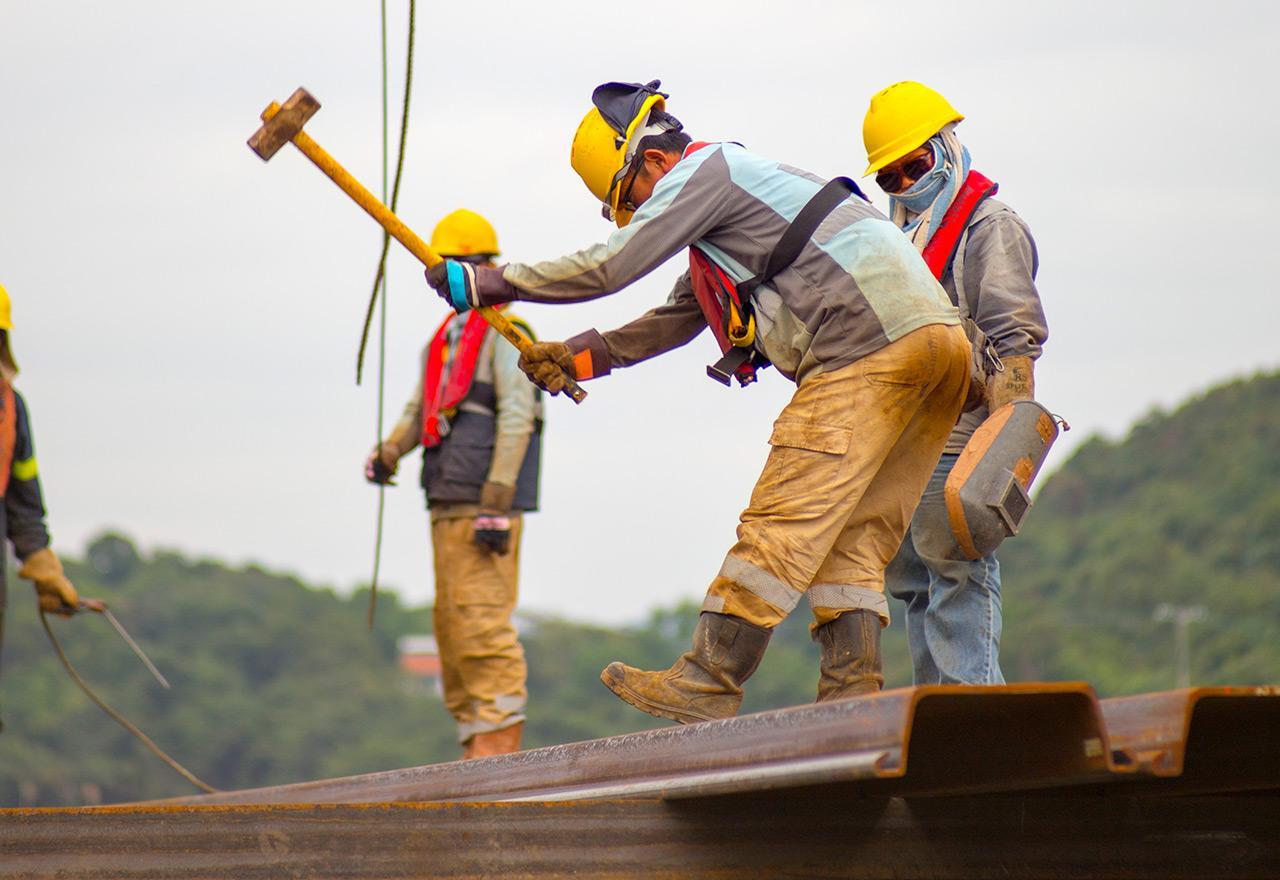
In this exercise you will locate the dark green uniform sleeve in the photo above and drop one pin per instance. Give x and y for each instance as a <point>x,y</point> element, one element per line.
<point>24,505</point>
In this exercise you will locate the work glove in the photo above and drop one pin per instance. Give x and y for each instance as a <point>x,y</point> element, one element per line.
<point>1015,382</point>
<point>464,286</point>
<point>492,528</point>
<point>381,464</point>
<point>57,595</point>
<point>546,363</point>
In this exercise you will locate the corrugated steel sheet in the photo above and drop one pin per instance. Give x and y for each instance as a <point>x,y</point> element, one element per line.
<point>947,739</point>
<point>943,739</point>
<point>949,781</point>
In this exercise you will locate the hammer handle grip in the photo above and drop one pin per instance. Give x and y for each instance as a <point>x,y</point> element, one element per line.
<point>410,239</point>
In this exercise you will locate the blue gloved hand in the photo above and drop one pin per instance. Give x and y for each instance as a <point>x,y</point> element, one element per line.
<point>465,285</point>
<point>456,283</point>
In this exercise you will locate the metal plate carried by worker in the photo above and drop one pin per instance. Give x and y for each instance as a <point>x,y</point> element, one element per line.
<point>988,491</point>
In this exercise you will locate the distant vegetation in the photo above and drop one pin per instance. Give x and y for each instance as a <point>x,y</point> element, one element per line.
<point>276,682</point>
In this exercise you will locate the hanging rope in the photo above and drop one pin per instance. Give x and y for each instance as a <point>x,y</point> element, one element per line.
<point>395,192</point>
<point>380,277</point>
<point>116,716</point>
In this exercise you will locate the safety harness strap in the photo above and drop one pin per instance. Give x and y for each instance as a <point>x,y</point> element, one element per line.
<point>800,230</point>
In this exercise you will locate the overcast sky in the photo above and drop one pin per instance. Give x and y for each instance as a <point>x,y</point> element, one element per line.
<point>187,317</point>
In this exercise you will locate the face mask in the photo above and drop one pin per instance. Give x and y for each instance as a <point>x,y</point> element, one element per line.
<point>921,194</point>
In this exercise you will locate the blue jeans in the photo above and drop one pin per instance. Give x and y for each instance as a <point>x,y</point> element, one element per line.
<point>953,604</point>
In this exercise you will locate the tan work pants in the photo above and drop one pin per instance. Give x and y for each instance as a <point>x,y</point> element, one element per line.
<point>852,453</point>
<point>481,658</point>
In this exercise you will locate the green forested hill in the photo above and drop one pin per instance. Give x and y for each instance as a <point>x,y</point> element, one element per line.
<point>1185,510</point>
<point>274,681</point>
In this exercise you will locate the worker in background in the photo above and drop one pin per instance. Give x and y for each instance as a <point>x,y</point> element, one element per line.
<point>855,319</point>
<point>23,508</point>
<point>986,259</point>
<point>479,421</point>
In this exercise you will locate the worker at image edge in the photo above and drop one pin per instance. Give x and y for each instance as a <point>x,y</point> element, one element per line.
<point>479,421</point>
<point>854,318</point>
<point>22,511</point>
<point>986,259</point>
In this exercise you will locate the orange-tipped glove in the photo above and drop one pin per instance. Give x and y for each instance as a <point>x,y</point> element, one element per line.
<point>57,595</point>
<point>546,363</point>
<point>1016,382</point>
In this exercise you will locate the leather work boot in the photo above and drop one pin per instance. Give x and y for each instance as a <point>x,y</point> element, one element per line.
<point>494,742</point>
<point>850,650</point>
<point>706,682</point>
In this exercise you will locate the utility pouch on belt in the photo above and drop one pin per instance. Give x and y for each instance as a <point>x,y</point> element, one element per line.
<point>988,491</point>
<point>727,306</point>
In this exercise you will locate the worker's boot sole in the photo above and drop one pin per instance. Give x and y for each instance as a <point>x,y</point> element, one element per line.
<point>612,678</point>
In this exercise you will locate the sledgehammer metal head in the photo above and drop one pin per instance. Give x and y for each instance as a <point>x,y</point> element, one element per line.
<point>281,124</point>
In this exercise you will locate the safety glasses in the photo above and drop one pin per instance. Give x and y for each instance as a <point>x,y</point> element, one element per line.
<point>895,180</point>
<point>629,173</point>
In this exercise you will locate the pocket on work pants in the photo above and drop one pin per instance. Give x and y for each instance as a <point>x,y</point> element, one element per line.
<point>802,465</point>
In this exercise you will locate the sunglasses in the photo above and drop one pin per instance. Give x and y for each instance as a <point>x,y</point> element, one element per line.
<point>895,180</point>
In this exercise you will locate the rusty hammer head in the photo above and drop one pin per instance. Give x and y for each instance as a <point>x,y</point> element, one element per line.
<point>281,124</point>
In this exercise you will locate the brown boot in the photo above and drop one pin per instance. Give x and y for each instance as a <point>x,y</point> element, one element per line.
<point>494,742</point>
<point>706,682</point>
<point>850,650</point>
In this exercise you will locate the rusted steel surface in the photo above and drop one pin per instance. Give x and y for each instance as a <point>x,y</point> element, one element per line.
<point>1216,739</point>
<point>969,837</point>
<point>936,740</point>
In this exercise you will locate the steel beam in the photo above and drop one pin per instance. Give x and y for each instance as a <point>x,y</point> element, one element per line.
<point>724,838</point>
<point>935,740</point>
<point>1215,739</point>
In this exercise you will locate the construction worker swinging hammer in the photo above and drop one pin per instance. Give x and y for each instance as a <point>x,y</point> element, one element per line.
<point>22,512</point>
<point>985,257</point>
<point>790,270</point>
<point>479,421</point>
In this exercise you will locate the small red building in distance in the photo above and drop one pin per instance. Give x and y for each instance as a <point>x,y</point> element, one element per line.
<point>419,656</point>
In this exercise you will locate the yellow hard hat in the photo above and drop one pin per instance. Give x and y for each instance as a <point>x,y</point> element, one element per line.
<point>463,234</point>
<point>901,118</point>
<point>8,366</point>
<point>606,139</point>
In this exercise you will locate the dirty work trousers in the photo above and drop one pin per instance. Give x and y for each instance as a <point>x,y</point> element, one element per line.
<point>953,602</point>
<point>482,661</point>
<point>852,453</point>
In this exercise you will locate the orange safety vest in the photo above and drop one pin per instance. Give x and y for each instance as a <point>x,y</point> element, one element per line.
<point>8,434</point>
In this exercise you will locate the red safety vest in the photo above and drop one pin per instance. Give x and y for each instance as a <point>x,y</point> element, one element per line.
<point>8,434</point>
<point>441,393</point>
<point>941,249</point>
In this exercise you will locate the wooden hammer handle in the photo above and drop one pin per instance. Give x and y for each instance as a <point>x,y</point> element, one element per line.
<point>406,236</point>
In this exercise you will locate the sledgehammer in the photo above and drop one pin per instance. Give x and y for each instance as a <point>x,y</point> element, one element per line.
<point>281,125</point>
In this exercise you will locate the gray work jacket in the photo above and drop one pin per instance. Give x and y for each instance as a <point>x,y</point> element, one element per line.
<point>995,270</point>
